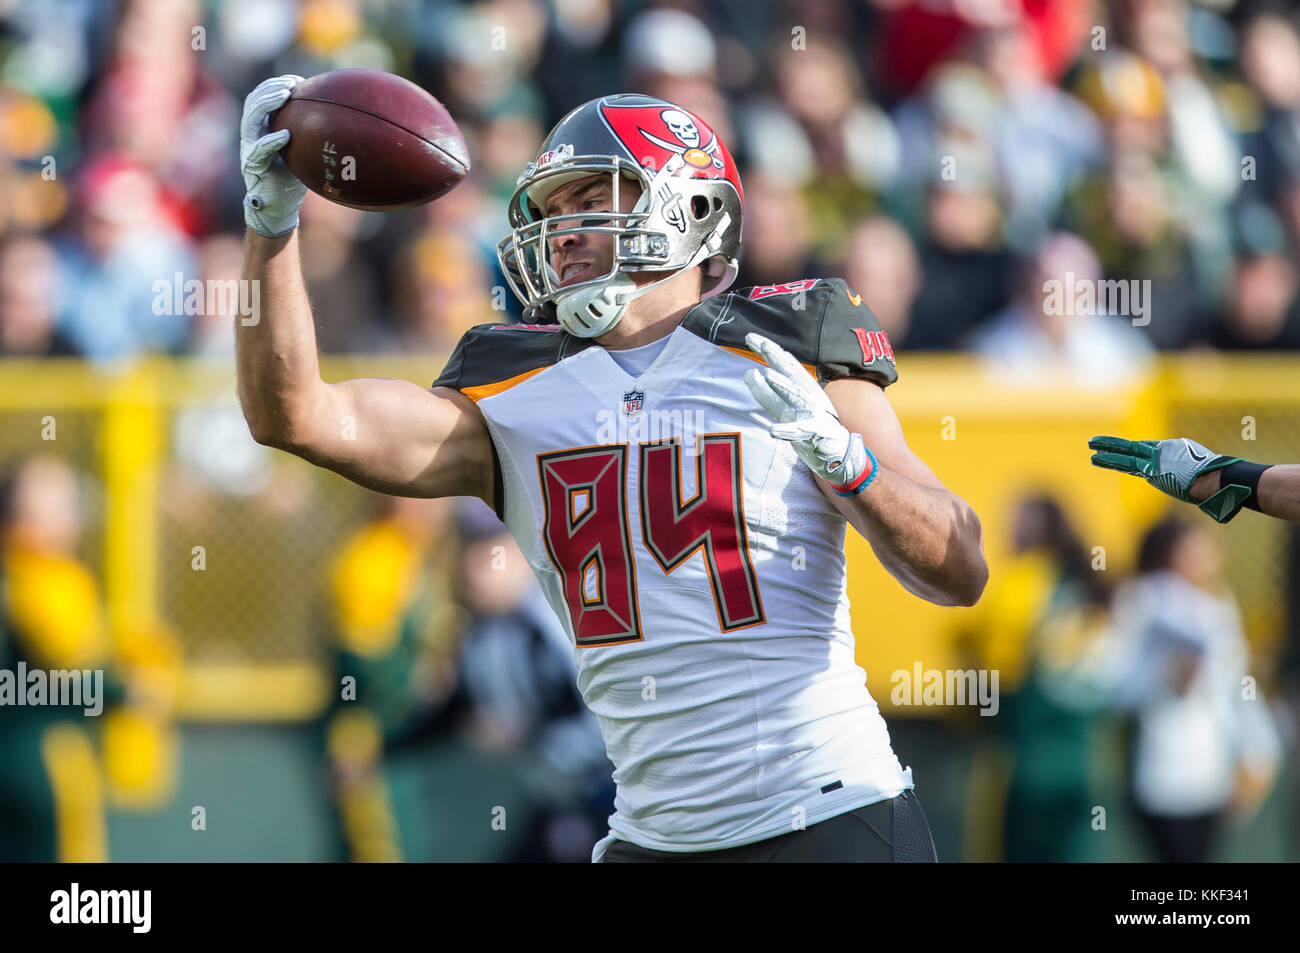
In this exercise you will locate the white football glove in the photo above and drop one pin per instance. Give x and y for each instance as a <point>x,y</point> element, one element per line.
<point>274,193</point>
<point>806,417</point>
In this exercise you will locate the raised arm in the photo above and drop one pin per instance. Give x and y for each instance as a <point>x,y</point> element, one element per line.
<point>388,435</point>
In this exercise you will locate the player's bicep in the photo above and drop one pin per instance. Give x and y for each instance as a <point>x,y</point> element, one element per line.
<point>396,437</point>
<point>864,408</point>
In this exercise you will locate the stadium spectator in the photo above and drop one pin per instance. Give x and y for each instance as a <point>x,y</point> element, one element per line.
<point>220,258</point>
<point>1044,628</point>
<point>957,111</point>
<point>37,524</point>
<point>66,765</point>
<point>442,282</point>
<point>505,146</point>
<point>28,300</point>
<point>915,38</point>
<point>880,257</point>
<point>1206,748</point>
<point>778,234</point>
<point>1270,64</point>
<point>1264,307</point>
<point>1129,216</point>
<point>120,266</point>
<point>486,52</point>
<point>966,268</point>
<point>671,54</point>
<point>154,104</point>
<point>1046,335</point>
<point>1200,139</point>
<point>580,54</point>
<point>850,140</point>
<point>394,626</point>
<point>1044,137</point>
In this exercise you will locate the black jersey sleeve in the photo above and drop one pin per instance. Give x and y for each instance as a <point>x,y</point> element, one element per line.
<point>489,355</point>
<point>821,321</point>
<point>851,342</point>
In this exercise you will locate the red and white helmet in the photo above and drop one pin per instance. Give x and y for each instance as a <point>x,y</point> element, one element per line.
<point>689,212</point>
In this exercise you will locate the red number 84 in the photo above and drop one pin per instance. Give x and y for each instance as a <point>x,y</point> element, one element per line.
<point>586,531</point>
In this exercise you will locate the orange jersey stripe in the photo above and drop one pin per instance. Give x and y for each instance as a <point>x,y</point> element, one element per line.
<point>745,352</point>
<point>479,391</point>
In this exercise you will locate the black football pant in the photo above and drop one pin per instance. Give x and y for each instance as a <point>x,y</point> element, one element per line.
<point>890,831</point>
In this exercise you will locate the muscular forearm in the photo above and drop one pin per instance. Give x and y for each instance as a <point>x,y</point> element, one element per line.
<point>279,372</point>
<point>928,538</point>
<point>1279,490</point>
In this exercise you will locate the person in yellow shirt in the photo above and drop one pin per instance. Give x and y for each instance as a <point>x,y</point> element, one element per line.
<point>62,764</point>
<point>51,785</point>
<point>394,625</point>
<point>1043,627</point>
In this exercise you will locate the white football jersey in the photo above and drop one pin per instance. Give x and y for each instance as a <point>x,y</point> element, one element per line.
<point>695,562</point>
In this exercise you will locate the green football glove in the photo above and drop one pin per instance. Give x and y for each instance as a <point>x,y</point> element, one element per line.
<point>1172,466</point>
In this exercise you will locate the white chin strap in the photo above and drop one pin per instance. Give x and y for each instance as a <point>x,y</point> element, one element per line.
<point>591,312</point>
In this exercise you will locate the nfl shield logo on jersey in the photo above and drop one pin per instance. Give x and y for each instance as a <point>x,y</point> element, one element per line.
<point>632,401</point>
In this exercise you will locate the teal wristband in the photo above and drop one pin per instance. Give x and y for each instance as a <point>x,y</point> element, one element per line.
<point>864,479</point>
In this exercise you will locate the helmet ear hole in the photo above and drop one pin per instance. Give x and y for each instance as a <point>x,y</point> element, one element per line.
<point>700,206</point>
<point>717,204</point>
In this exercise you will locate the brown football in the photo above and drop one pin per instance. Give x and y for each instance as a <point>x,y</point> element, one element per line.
<point>370,140</point>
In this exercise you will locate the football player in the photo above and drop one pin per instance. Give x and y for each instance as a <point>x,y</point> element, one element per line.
<point>677,462</point>
<point>1218,484</point>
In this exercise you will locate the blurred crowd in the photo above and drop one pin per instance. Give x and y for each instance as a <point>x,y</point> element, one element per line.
<point>946,157</point>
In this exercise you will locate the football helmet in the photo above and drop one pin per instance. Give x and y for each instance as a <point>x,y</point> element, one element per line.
<point>689,212</point>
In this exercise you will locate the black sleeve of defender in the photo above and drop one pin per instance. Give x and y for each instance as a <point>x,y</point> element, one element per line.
<point>851,342</point>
